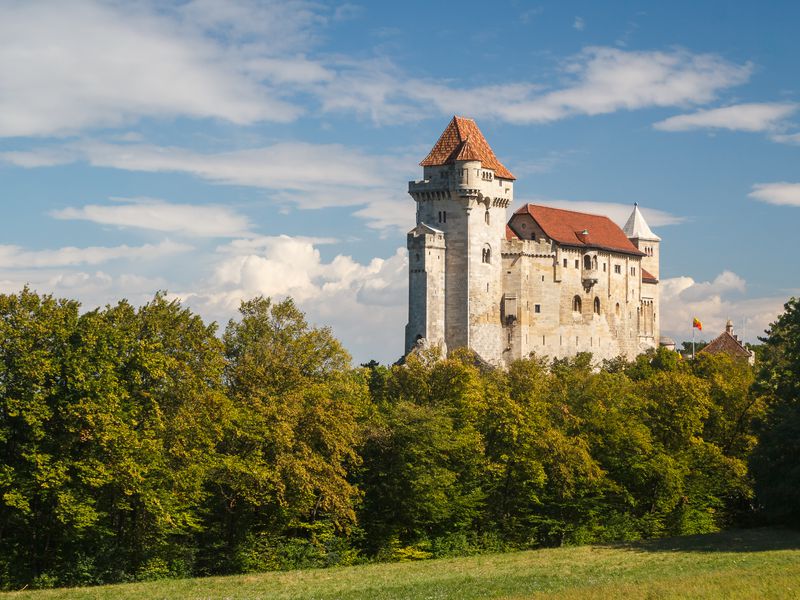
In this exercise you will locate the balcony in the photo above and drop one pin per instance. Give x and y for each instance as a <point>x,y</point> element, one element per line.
<point>590,276</point>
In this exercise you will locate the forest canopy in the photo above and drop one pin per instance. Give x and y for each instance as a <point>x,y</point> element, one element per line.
<point>140,443</point>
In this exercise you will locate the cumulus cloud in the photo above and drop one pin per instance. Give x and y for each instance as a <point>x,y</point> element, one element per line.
<point>781,193</point>
<point>18,258</point>
<point>752,117</point>
<point>617,212</point>
<point>92,289</point>
<point>158,215</point>
<point>714,302</point>
<point>365,304</point>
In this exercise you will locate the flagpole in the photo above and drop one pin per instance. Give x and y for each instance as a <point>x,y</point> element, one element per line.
<point>693,328</point>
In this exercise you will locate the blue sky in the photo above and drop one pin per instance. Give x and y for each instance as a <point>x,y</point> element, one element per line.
<point>220,150</point>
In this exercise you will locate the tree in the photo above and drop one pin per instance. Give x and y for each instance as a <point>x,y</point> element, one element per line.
<point>774,461</point>
<point>292,438</point>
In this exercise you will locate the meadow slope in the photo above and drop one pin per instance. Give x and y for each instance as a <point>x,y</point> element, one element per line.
<point>757,563</point>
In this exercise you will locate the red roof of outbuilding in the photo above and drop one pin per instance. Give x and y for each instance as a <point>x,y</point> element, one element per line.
<point>462,140</point>
<point>727,344</point>
<point>567,227</point>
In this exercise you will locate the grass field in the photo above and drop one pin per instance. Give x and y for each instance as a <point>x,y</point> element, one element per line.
<point>757,563</point>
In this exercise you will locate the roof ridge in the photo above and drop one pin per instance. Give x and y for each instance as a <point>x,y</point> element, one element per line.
<point>577,212</point>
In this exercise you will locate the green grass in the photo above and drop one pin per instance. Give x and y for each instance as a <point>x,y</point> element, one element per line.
<point>757,563</point>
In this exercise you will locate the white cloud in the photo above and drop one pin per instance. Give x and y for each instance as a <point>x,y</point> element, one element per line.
<point>617,212</point>
<point>786,138</point>
<point>579,24</point>
<point>92,289</point>
<point>307,176</point>
<point>599,80</point>
<point>781,193</point>
<point>70,66</point>
<point>365,304</point>
<point>714,302</point>
<point>14,257</point>
<point>158,215</point>
<point>763,116</point>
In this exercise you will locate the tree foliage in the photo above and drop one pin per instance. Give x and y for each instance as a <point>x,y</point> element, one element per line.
<point>138,443</point>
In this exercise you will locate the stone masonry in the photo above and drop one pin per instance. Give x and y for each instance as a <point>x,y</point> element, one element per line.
<point>548,282</point>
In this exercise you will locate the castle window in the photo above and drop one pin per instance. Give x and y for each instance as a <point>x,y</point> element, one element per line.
<point>577,264</point>
<point>617,269</point>
<point>587,262</point>
<point>594,262</point>
<point>604,267</point>
<point>533,236</point>
<point>616,309</point>
<point>486,217</point>
<point>633,270</point>
<point>537,308</point>
<point>597,306</point>
<point>565,263</point>
<point>486,254</point>
<point>576,304</point>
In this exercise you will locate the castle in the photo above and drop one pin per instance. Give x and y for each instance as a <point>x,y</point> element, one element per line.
<point>548,281</point>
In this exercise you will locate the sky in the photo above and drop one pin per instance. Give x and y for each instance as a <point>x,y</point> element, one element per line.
<point>222,150</point>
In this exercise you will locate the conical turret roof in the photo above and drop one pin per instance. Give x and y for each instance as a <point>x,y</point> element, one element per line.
<point>637,227</point>
<point>462,140</point>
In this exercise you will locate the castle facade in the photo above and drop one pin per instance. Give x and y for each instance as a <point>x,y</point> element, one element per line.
<point>548,281</point>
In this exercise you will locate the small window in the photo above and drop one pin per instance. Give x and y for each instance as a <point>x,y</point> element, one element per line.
<point>537,308</point>
<point>616,309</point>
<point>633,270</point>
<point>577,264</point>
<point>576,304</point>
<point>533,236</point>
<point>587,262</point>
<point>617,269</point>
<point>486,217</point>
<point>597,306</point>
<point>565,263</point>
<point>486,254</point>
<point>604,267</point>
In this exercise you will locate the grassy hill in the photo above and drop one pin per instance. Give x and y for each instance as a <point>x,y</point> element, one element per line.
<point>758,563</point>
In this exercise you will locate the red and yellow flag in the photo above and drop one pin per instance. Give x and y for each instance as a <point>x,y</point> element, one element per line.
<point>697,324</point>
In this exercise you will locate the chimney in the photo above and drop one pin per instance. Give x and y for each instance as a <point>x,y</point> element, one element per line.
<point>729,327</point>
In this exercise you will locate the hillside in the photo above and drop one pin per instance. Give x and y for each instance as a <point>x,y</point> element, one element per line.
<point>735,564</point>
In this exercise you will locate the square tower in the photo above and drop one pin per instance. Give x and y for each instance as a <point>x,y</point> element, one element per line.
<point>463,195</point>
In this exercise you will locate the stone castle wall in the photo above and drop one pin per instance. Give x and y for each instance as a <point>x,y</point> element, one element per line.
<point>506,299</point>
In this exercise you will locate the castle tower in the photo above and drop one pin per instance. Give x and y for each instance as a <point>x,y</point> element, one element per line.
<point>455,266</point>
<point>641,236</point>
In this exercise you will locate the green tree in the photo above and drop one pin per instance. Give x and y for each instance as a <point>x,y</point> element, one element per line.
<point>292,439</point>
<point>774,461</point>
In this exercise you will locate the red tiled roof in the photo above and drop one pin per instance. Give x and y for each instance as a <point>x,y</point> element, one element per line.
<point>727,344</point>
<point>510,233</point>
<point>462,140</point>
<point>567,226</point>
<point>648,277</point>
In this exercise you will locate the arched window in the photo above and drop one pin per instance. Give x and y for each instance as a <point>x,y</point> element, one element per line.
<point>576,304</point>
<point>486,217</point>
<point>616,309</point>
<point>597,305</point>
<point>594,262</point>
<point>587,262</point>
<point>486,254</point>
